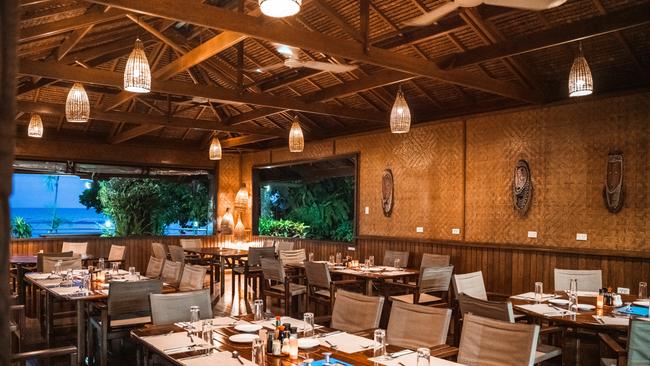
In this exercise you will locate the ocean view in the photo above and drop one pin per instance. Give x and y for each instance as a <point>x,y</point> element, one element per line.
<point>75,220</point>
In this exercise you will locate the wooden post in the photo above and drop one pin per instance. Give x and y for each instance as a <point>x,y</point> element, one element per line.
<point>8,36</point>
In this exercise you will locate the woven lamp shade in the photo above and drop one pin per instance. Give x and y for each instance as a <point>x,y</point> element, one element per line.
<point>215,149</point>
<point>241,199</point>
<point>400,115</point>
<point>296,138</point>
<point>240,229</point>
<point>137,75</point>
<point>227,223</point>
<point>77,106</point>
<point>580,81</point>
<point>280,8</point>
<point>35,128</point>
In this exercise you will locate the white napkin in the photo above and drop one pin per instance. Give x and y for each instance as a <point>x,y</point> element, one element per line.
<point>175,342</point>
<point>546,310</point>
<point>610,320</point>
<point>218,322</point>
<point>348,343</point>
<point>531,296</point>
<point>218,358</point>
<point>65,291</point>
<point>411,359</point>
<point>270,324</point>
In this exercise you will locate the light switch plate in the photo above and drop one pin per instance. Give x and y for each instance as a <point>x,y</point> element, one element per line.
<point>455,231</point>
<point>419,229</point>
<point>623,290</point>
<point>367,210</point>
<point>352,248</point>
<point>532,234</point>
<point>581,236</point>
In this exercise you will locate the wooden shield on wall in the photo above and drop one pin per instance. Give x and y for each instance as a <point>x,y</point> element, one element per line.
<point>522,187</point>
<point>387,192</point>
<point>614,192</point>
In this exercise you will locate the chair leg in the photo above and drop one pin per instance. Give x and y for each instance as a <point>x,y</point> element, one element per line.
<point>103,347</point>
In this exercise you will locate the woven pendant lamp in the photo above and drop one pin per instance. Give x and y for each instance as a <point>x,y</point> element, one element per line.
<point>241,199</point>
<point>580,81</point>
<point>215,149</point>
<point>77,106</point>
<point>280,8</point>
<point>239,229</point>
<point>400,115</point>
<point>137,75</point>
<point>35,128</point>
<point>227,223</point>
<point>296,138</point>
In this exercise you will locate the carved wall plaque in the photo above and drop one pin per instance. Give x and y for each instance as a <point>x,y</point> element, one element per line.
<point>522,187</point>
<point>614,192</point>
<point>387,192</point>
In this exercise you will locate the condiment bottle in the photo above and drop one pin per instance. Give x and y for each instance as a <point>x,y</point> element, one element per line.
<point>285,343</point>
<point>600,299</point>
<point>277,347</point>
<point>269,344</point>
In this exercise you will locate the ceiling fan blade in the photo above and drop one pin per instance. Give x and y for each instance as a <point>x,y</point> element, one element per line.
<point>432,16</point>
<point>266,68</point>
<point>326,66</point>
<point>527,5</point>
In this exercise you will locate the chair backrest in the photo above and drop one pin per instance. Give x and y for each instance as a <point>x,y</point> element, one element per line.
<point>255,254</point>
<point>434,260</point>
<point>76,248</point>
<point>355,312</point>
<point>173,308</point>
<point>177,253</point>
<point>158,250</point>
<point>41,256</point>
<point>588,280</point>
<point>471,284</point>
<point>318,274</point>
<point>117,253</point>
<point>171,272</point>
<point>272,269</point>
<point>435,279</point>
<point>154,267</point>
<point>192,278</point>
<point>268,244</point>
<point>638,346</point>
<point>391,255</point>
<point>296,256</point>
<point>281,245</point>
<point>67,263</point>
<point>499,310</point>
<point>131,299</point>
<point>487,341</point>
<point>415,326</point>
<point>191,243</point>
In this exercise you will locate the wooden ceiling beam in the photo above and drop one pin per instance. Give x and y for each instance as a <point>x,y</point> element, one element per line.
<point>133,133</point>
<point>334,16</point>
<point>69,24</point>
<point>209,16</point>
<point>243,140</point>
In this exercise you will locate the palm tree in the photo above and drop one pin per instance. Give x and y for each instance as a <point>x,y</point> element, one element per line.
<point>52,184</point>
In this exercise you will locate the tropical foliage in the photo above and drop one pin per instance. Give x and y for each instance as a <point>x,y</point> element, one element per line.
<point>282,228</point>
<point>20,228</point>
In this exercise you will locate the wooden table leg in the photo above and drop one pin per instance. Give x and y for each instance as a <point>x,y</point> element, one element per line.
<point>222,275</point>
<point>81,332</point>
<point>49,318</point>
<point>368,287</point>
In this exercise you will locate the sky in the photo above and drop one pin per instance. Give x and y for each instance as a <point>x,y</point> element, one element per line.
<point>30,191</point>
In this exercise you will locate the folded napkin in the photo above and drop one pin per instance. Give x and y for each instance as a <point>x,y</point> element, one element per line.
<point>348,343</point>
<point>612,320</point>
<point>545,309</point>
<point>219,322</point>
<point>270,323</point>
<point>410,359</point>
<point>218,358</point>
<point>531,296</point>
<point>176,343</point>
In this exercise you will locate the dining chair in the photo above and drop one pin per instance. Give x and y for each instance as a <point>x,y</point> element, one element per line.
<point>174,308</point>
<point>268,244</point>
<point>191,243</point>
<point>117,253</point>
<point>588,280</point>
<point>67,263</point>
<point>281,245</point>
<point>41,256</point>
<point>171,272</point>
<point>276,283</point>
<point>76,248</point>
<point>431,280</point>
<point>471,284</point>
<point>295,256</point>
<point>502,310</point>
<point>487,341</point>
<point>192,278</point>
<point>126,308</point>
<point>391,255</point>
<point>638,346</point>
<point>154,267</point>
<point>251,269</point>
<point>177,253</point>
<point>320,287</point>
<point>415,326</point>
<point>355,312</point>
<point>158,250</point>
<point>434,260</point>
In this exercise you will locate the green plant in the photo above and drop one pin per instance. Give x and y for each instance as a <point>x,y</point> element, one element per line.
<point>20,228</point>
<point>282,228</point>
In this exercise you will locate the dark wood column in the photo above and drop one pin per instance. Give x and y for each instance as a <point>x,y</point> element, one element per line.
<point>8,24</point>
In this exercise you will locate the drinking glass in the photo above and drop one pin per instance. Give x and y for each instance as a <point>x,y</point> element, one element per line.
<point>68,275</point>
<point>311,257</point>
<point>195,316</point>
<point>308,326</point>
<point>643,290</point>
<point>57,267</point>
<point>539,291</point>
<point>339,258</point>
<point>331,260</point>
<point>101,265</point>
<point>573,294</point>
<point>116,267</point>
<point>371,259</point>
<point>258,352</point>
<point>380,343</point>
<point>207,331</point>
<point>132,271</point>
<point>258,309</point>
<point>396,263</point>
<point>327,358</point>
<point>424,355</point>
<point>367,264</point>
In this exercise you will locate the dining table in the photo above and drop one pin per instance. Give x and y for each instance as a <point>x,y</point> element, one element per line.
<point>221,343</point>
<point>226,257</point>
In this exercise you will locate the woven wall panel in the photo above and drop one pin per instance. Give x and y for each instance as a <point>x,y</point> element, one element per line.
<point>315,150</point>
<point>229,181</point>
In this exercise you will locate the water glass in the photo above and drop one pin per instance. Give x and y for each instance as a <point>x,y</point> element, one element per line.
<point>116,267</point>
<point>539,291</point>
<point>327,358</point>
<point>258,352</point>
<point>207,331</point>
<point>331,260</point>
<point>380,343</point>
<point>195,316</point>
<point>643,290</point>
<point>367,264</point>
<point>308,326</point>
<point>424,355</point>
<point>371,260</point>
<point>258,310</point>
<point>573,294</point>
<point>101,265</point>
<point>396,263</point>
<point>310,257</point>
<point>339,258</point>
<point>132,271</point>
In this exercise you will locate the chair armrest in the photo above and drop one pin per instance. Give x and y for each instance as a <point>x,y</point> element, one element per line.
<point>44,354</point>
<point>497,296</point>
<point>612,344</point>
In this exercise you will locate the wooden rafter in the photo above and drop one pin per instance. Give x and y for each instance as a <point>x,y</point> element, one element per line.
<point>69,24</point>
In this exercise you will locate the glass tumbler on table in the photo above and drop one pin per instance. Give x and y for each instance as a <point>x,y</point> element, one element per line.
<point>258,310</point>
<point>396,263</point>
<point>643,290</point>
<point>380,343</point>
<point>258,352</point>
<point>573,295</point>
<point>116,267</point>
<point>371,260</point>
<point>332,260</point>
<point>539,291</point>
<point>308,326</point>
<point>195,317</point>
<point>57,267</point>
<point>101,265</point>
<point>339,258</point>
<point>424,356</point>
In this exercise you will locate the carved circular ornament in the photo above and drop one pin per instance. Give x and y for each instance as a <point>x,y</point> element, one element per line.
<point>387,189</point>
<point>522,187</point>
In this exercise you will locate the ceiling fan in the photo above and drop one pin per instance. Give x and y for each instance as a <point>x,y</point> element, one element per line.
<point>293,61</point>
<point>441,11</point>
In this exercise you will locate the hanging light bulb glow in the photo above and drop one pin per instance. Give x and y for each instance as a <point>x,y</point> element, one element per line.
<point>215,149</point>
<point>296,138</point>
<point>241,199</point>
<point>239,229</point>
<point>77,106</point>
<point>35,128</point>
<point>227,223</point>
<point>400,115</point>
<point>280,8</point>
<point>581,82</point>
<point>137,75</point>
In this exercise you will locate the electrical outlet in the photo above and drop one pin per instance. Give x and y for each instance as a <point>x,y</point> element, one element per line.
<point>352,249</point>
<point>532,234</point>
<point>367,210</point>
<point>623,290</point>
<point>419,229</point>
<point>455,231</point>
<point>581,236</point>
